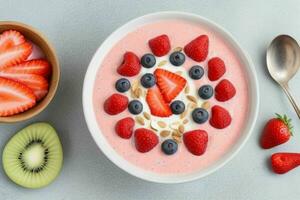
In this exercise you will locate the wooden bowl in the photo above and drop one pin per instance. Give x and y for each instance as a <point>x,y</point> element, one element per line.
<point>40,40</point>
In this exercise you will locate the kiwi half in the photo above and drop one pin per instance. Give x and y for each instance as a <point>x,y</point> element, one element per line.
<point>33,157</point>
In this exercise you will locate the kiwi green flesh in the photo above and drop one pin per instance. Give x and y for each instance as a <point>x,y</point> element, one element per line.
<point>33,157</point>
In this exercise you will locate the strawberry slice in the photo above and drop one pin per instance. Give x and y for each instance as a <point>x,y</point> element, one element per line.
<point>14,97</point>
<point>15,55</point>
<point>169,83</point>
<point>38,84</point>
<point>10,38</point>
<point>157,104</point>
<point>38,66</point>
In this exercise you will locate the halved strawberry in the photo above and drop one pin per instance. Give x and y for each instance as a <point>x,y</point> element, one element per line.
<point>169,83</point>
<point>14,97</point>
<point>38,66</point>
<point>15,55</point>
<point>157,104</point>
<point>38,84</point>
<point>10,38</point>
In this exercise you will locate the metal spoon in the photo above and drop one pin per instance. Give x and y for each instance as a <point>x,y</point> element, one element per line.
<point>283,61</point>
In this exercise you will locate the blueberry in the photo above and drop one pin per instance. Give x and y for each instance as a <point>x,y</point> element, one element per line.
<point>122,85</point>
<point>177,58</point>
<point>135,107</point>
<point>200,115</point>
<point>196,72</point>
<point>169,147</point>
<point>148,60</point>
<point>177,107</point>
<point>205,91</point>
<point>148,80</point>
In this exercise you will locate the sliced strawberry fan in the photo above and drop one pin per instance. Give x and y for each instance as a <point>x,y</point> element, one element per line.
<point>23,82</point>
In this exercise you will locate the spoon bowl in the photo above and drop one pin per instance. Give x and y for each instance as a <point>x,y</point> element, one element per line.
<point>283,58</point>
<point>283,62</point>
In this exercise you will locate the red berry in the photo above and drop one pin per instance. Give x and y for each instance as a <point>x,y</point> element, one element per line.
<point>220,117</point>
<point>37,83</point>
<point>284,162</point>
<point>169,83</point>
<point>124,127</point>
<point>197,49</point>
<point>224,90</point>
<point>15,55</point>
<point>160,45</point>
<point>115,104</point>
<point>38,67</point>
<point>196,141</point>
<point>145,140</point>
<point>130,65</point>
<point>277,131</point>
<point>14,97</point>
<point>10,38</point>
<point>157,104</point>
<point>216,68</point>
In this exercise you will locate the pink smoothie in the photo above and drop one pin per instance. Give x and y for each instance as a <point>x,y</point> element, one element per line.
<point>220,142</point>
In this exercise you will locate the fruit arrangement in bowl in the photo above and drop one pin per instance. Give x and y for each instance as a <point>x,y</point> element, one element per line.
<point>29,72</point>
<point>162,93</point>
<point>166,103</point>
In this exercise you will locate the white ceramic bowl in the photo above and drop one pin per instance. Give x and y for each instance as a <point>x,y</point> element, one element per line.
<point>91,118</point>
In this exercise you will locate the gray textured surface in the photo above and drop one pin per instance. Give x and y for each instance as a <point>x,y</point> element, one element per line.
<point>77,28</point>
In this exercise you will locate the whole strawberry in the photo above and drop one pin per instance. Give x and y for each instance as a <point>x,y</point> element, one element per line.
<point>216,68</point>
<point>197,49</point>
<point>284,162</point>
<point>160,45</point>
<point>124,127</point>
<point>130,65</point>
<point>196,141</point>
<point>220,117</point>
<point>224,90</point>
<point>145,140</point>
<point>277,131</point>
<point>115,104</point>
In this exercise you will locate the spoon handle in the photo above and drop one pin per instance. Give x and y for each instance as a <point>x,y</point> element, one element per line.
<point>290,97</point>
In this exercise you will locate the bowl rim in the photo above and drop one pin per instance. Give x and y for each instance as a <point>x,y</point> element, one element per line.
<point>87,99</point>
<point>55,77</point>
